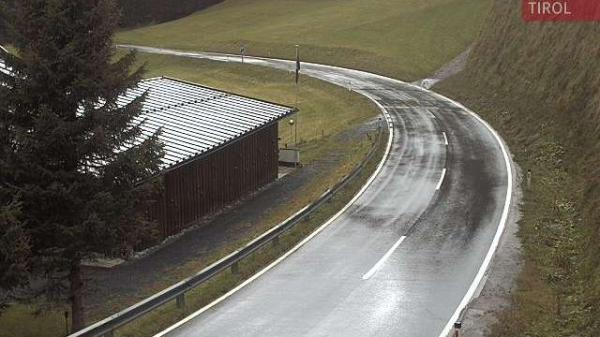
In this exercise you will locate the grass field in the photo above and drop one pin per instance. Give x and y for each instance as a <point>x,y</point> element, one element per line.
<point>326,113</point>
<point>407,39</point>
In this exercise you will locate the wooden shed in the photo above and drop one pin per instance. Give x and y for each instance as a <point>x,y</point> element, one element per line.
<point>218,146</point>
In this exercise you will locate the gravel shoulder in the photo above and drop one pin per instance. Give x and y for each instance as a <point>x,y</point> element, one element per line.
<point>495,296</point>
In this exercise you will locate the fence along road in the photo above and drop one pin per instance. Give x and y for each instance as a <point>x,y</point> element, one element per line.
<point>407,256</point>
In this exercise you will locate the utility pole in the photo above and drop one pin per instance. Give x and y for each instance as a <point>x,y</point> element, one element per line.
<point>297,93</point>
<point>297,71</point>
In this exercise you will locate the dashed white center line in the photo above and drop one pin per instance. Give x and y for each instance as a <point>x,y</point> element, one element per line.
<point>380,263</point>
<point>439,185</point>
<point>445,138</point>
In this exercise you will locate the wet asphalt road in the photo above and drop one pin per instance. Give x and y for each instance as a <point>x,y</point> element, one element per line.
<point>400,260</point>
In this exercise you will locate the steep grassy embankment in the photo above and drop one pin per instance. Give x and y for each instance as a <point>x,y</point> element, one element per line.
<point>408,39</point>
<point>539,84</point>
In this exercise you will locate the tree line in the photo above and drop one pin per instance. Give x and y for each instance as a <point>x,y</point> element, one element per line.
<point>74,162</point>
<point>141,12</point>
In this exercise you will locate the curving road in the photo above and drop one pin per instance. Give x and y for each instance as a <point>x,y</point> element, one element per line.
<point>407,254</point>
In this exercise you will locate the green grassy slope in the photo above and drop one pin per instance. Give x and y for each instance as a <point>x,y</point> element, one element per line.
<point>408,39</point>
<point>539,84</point>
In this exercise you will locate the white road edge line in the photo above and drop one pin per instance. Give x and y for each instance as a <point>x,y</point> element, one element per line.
<point>503,219</point>
<point>439,185</point>
<point>501,226</point>
<point>445,139</point>
<point>380,263</point>
<point>507,202</point>
<point>303,242</point>
<point>508,199</point>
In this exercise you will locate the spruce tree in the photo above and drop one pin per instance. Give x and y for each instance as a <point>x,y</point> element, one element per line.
<point>14,252</point>
<point>75,164</point>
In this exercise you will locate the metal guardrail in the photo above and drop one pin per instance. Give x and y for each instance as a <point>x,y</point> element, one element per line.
<point>107,326</point>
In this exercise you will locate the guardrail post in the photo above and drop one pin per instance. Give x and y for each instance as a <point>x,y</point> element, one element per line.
<point>457,327</point>
<point>180,301</point>
<point>276,241</point>
<point>235,267</point>
<point>67,323</point>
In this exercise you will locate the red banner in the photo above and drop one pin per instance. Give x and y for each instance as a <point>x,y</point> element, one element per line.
<point>561,10</point>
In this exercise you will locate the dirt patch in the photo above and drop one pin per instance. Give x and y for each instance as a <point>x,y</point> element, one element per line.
<point>453,67</point>
<point>450,69</point>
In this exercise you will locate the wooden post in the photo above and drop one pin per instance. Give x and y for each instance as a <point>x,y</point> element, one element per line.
<point>180,301</point>
<point>66,322</point>
<point>76,290</point>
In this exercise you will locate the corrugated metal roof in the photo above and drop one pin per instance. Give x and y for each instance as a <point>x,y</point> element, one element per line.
<point>196,120</point>
<point>3,68</point>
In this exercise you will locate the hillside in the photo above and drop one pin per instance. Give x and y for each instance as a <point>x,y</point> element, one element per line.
<point>539,84</point>
<point>408,39</point>
<point>140,12</point>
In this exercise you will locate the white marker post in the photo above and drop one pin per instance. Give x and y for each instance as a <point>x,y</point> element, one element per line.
<point>457,327</point>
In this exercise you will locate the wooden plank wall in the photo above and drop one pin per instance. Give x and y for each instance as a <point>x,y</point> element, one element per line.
<point>210,183</point>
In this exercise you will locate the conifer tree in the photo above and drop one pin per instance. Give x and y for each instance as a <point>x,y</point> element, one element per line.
<point>14,251</point>
<point>74,161</point>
